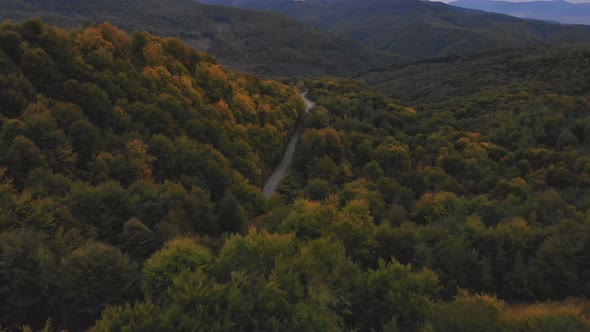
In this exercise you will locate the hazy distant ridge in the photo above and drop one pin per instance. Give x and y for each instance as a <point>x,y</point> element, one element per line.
<point>559,11</point>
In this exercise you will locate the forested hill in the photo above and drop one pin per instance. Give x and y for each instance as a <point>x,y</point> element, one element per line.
<point>130,200</point>
<point>558,70</point>
<point>419,29</point>
<point>261,42</point>
<point>116,140</point>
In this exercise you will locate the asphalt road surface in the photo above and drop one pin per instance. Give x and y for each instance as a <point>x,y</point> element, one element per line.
<point>277,175</point>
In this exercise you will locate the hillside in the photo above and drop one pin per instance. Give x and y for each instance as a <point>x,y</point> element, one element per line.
<point>263,43</point>
<point>422,29</point>
<point>112,140</point>
<point>539,70</point>
<point>131,169</point>
<point>556,11</point>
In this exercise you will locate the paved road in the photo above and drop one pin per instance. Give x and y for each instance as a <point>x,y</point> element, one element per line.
<point>277,175</point>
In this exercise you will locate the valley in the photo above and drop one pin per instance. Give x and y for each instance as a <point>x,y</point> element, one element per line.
<point>318,165</point>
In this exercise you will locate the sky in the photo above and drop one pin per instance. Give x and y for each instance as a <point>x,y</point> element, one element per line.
<point>572,1</point>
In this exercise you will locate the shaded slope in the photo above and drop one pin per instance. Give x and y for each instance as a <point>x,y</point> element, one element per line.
<point>111,143</point>
<point>264,43</point>
<point>420,28</point>
<point>543,70</point>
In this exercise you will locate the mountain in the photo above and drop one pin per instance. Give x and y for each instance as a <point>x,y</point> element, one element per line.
<point>415,28</point>
<point>557,11</point>
<point>264,43</point>
<point>131,169</point>
<point>113,136</point>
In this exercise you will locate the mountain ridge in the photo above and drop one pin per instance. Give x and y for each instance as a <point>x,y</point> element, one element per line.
<point>420,29</point>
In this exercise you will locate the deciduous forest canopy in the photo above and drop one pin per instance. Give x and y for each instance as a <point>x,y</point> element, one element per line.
<point>420,198</point>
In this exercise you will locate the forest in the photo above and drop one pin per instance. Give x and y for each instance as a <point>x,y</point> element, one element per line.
<point>130,189</point>
<point>258,42</point>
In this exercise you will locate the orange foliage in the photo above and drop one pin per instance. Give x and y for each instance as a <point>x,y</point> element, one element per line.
<point>37,109</point>
<point>463,141</point>
<point>223,109</point>
<point>116,37</point>
<point>244,103</point>
<point>154,54</point>
<point>425,200</point>
<point>137,151</point>
<point>163,72</point>
<point>151,73</point>
<point>90,39</point>
<point>216,71</point>
<point>477,150</point>
<point>330,136</point>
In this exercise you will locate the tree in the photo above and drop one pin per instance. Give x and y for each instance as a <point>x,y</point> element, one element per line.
<point>393,159</point>
<point>560,261</point>
<point>32,29</point>
<point>105,208</point>
<point>92,277</point>
<point>16,92</point>
<point>318,189</point>
<point>29,276</point>
<point>21,158</point>
<point>182,254</point>
<point>85,140</point>
<point>467,312</point>
<point>230,217</point>
<point>41,71</point>
<point>93,100</point>
<point>138,240</point>
<point>393,292</point>
<point>10,44</point>
<point>139,317</point>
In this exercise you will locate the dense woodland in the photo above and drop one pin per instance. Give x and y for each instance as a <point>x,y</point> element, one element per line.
<point>441,83</point>
<point>130,198</point>
<point>112,144</point>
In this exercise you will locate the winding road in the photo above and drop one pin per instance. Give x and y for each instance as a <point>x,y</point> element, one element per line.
<point>277,175</point>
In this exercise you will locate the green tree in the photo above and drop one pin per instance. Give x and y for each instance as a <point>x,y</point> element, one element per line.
<point>29,276</point>
<point>104,208</point>
<point>94,276</point>
<point>182,254</point>
<point>393,292</point>
<point>21,158</point>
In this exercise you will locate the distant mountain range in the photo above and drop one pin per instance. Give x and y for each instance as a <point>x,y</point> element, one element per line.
<point>558,11</point>
<point>321,37</point>
<point>258,42</point>
<point>418,29</point>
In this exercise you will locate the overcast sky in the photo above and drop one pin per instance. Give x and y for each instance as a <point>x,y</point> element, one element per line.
<point>574,1</point>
